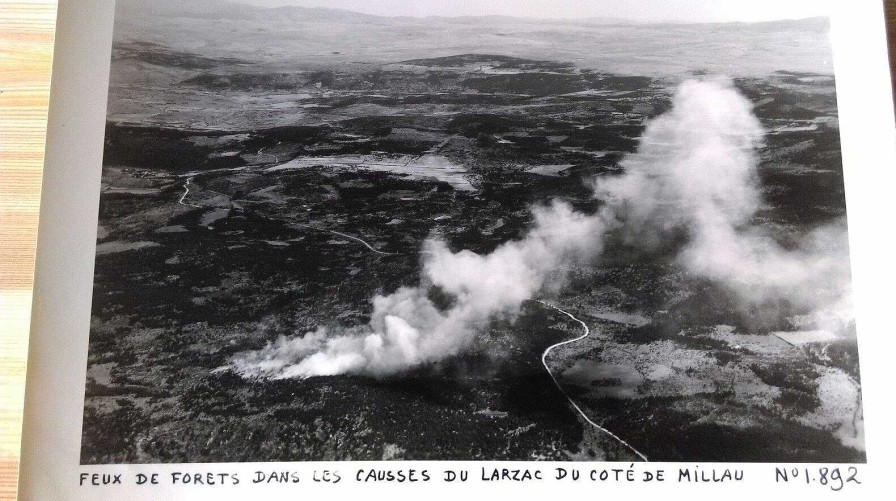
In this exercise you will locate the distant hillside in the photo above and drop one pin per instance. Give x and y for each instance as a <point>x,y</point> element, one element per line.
<point>286,36</point>
<point>226,9</point>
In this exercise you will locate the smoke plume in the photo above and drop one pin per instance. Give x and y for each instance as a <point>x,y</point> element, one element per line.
<point>694,174</point>
<point>407,329</point>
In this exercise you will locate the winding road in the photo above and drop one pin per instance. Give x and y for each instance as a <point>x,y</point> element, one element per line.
<point>187,192</point>
<point>557,383</point>
<point>262,153</point>
<point>544,355</point>
<point>362,242</point>
<point>585,334</point>
<point>183,202</point>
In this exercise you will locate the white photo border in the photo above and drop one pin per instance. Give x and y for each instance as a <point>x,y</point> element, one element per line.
<point>50,464</point>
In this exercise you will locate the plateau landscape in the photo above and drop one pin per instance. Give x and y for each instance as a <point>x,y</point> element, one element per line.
<point>326,235</point>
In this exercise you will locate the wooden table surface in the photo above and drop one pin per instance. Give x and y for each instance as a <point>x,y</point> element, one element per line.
<point>26,46</point>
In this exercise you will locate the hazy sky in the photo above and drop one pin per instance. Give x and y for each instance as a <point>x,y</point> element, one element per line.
<point>640,10</point>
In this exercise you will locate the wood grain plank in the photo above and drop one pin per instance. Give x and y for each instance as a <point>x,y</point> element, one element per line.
<point>26,47</point>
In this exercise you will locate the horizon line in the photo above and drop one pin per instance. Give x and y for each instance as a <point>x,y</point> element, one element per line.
<point>607,20</point>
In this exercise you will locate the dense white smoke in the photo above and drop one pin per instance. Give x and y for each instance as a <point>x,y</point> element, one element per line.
<point>407,329</point>
<point>695,173</point>
<point>695,167</point>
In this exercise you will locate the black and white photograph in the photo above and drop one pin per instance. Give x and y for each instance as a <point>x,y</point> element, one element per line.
<point>564,230</point>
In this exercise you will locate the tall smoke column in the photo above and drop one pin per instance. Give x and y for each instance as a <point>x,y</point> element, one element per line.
<point>695,167</point>
<point>695,173</point>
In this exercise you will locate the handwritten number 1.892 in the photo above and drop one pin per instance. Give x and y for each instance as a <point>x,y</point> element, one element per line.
<point>828,477</point>
<point>833,477</point>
